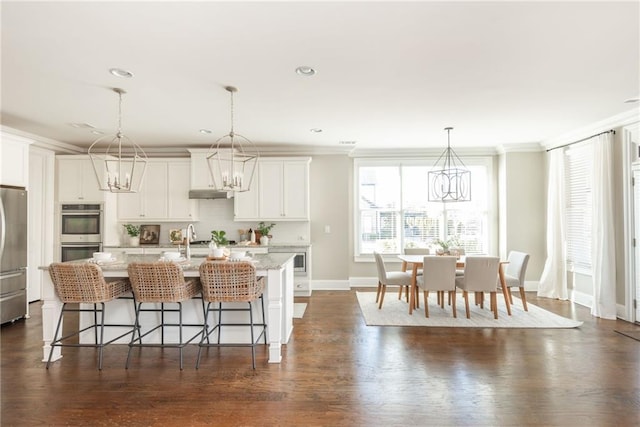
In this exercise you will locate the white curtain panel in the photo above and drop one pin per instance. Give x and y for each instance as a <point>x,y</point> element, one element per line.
<point>603,259</point>
<point>553,282</point>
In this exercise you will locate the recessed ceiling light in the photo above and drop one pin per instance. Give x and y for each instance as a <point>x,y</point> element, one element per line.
<point>347,143</point>
<point>631,100</point>
<point>97,132</point>
<point>205,131</point>
<point>315,130</point>
<point>81,125</point>
<point>304,70</point>
<point>119,72</point>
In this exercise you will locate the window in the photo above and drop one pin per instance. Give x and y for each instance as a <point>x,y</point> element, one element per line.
<point>578,175</point>
<point>393,211</point>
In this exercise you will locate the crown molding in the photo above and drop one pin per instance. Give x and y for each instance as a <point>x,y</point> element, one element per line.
<point>530,147</point>
<point>619,120</point>
<point>43,142</point>
<point>422,153</point>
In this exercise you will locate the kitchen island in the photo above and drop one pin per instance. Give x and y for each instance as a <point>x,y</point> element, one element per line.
<point>277,269</point>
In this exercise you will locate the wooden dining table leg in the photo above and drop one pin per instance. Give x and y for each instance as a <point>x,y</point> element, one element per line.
<point>505,291</point>
<point>413,299</point>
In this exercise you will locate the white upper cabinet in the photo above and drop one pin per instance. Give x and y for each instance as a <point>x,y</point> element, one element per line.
<point>163,195</point>
<point>77,180</point>
<point>14,164</point>
<point>280,191</point>
<point>200,174</point>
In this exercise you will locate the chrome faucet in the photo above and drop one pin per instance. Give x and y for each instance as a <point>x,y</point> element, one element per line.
<point>191,234</point>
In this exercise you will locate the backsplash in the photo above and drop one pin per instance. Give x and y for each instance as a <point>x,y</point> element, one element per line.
<point>217,214</point>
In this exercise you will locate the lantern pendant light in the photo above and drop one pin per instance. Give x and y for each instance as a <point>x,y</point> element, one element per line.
<point>232,159</point>
<point>449,180</point>
<point>118,162</point>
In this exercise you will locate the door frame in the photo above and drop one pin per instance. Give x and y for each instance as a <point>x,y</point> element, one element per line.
<point>630,163</point>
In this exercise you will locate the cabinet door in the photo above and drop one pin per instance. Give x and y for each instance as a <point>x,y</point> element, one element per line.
<point>270,188</point>
<point>295,193</point>
<point>89,188</point>
<point>77,181</point>
<point>154,194</point>
<point>14,162</point>
<point>130,206</point>
<point>69,180</point>
<point>245,204</point>
<point>200,175</point>
<point>179,205</point>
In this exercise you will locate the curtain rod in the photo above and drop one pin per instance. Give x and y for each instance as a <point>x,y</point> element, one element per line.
<point>583,139</point>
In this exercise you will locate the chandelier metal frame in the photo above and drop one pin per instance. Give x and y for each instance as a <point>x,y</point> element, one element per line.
<point>232,159</point>
<point>121,164</point>
<point>450,182</point>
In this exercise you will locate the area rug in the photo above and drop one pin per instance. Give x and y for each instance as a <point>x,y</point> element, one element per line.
<point>395,312</point>
<point>631,334</point>
<point>298,309</point>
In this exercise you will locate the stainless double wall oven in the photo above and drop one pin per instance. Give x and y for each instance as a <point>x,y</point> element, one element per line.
<point>81,229</point>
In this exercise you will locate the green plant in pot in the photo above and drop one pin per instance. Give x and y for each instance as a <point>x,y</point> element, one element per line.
<point>219,238</point>
<point>262,232</point>
<point>218,242</point>
<point>133,231</point>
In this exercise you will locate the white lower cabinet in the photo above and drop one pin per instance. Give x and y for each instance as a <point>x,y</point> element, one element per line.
<point>163,196</point>
<point>280,191</point>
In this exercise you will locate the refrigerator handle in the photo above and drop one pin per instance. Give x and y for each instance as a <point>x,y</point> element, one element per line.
<point>3,227</point>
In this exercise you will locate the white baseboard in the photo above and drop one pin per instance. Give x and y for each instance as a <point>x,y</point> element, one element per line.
<point>330,285</point>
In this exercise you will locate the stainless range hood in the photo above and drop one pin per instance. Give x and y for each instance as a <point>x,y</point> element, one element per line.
<point>210,194</point>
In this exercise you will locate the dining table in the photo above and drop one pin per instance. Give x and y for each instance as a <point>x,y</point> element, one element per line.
<point>417,261</point>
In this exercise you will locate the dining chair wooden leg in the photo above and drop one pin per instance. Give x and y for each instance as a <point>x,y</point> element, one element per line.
<point>426,303</point>
<point>384,289</point>
<point>510,296</point>
<point>494,304</point>
<point>466,303</point>
<point>524,299</point>
<point>378,293</point>
<point>452,298</point>
<point>441,299</point>
<point>480,297</point>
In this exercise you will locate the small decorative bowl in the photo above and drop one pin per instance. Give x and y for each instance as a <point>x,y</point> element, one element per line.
<point>171,256</point>
<point>102,256</point>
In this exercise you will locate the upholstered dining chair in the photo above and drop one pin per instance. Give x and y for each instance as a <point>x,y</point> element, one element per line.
<point>514,274</point>
<point>480,275</point>
<point>84,284</point>
<point>392,278</point>
<point>440,277</point>
<point>409,266</point>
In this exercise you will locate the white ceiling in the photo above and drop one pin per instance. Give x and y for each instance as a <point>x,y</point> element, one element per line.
<point>389,75</point>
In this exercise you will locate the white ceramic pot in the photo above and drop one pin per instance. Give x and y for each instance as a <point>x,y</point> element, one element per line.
<point>134,241</point>
<point>264,240</point>
<point>217,252</point>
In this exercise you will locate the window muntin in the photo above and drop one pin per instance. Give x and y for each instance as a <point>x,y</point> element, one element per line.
<point>394,211</point>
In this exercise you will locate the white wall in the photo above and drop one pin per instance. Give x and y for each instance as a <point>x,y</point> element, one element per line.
<point>523,208</point>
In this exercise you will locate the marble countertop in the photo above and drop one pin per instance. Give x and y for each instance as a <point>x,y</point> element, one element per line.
<point>206,245</point>
<point>119,263</point>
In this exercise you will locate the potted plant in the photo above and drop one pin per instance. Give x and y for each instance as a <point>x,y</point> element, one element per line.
<point>444,246</point>
<point>134,234</point>
<point>262,232</point>
<point>218,242</point>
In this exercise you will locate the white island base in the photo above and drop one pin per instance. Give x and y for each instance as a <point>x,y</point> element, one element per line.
<point>278,302</point>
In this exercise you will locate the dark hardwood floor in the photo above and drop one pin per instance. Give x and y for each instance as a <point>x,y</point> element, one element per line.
<point>337,371</point>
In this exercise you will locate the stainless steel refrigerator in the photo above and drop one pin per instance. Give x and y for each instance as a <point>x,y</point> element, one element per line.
<point>13,253</point>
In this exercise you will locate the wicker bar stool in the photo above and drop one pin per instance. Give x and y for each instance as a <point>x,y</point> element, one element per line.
<point>85,284</point>
<point>224,282</point>
<point>161,282</point>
